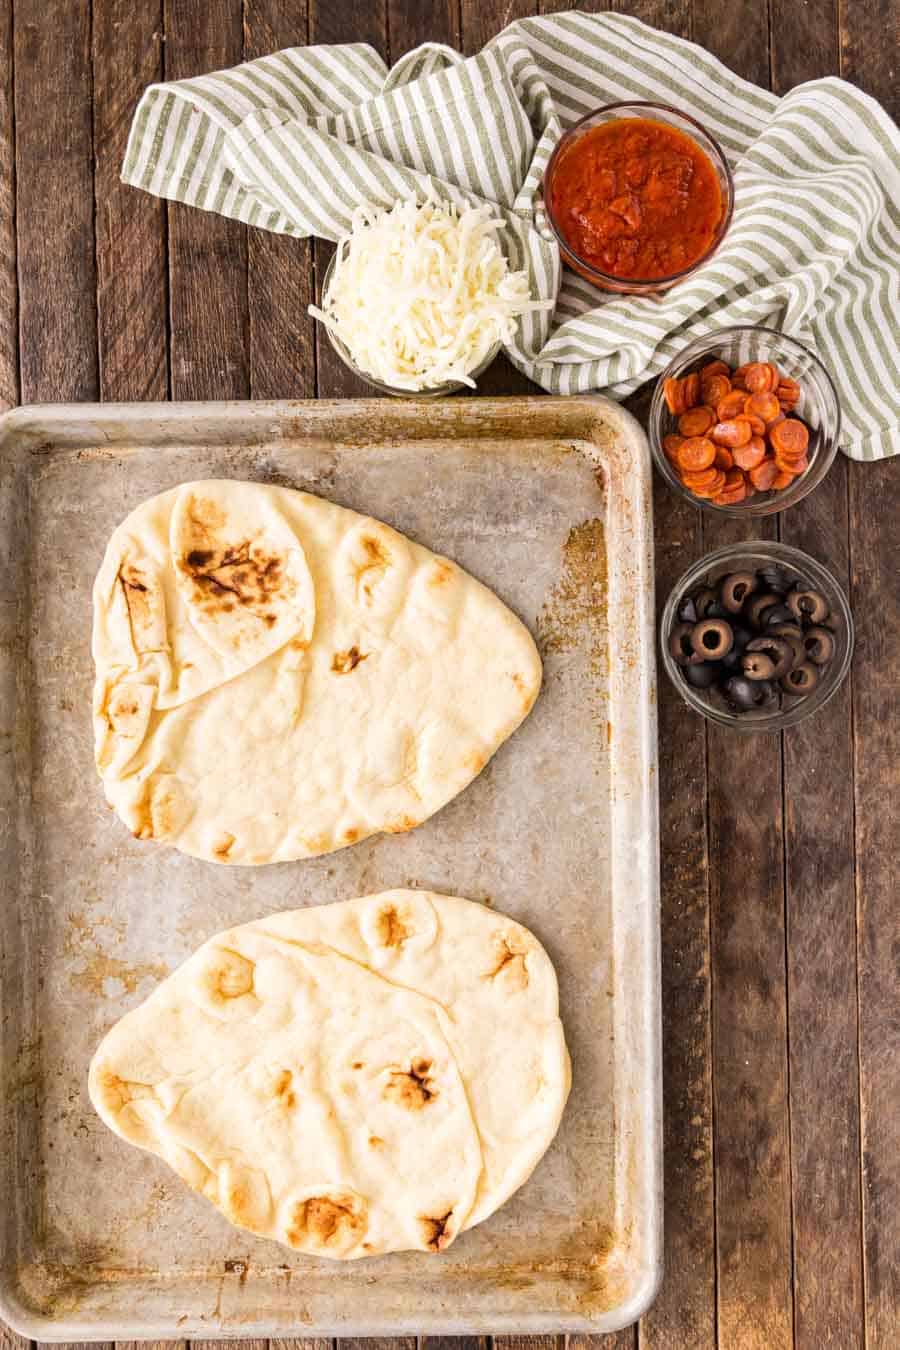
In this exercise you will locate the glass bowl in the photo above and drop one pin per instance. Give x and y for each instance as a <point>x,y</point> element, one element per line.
<point>798,566</point>
<point>656,112</point>
<point>436,391</point>
<point>818,408</point>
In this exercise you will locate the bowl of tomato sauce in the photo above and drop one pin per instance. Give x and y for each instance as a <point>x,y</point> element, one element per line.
<point>638,195</point>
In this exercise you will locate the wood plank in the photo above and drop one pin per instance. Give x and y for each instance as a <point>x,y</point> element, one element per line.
<point>684,1313</point>
<point>55,200</point>
<point>875,600</point>
<point>482,20</point>
<point>868,58</point>
<point>821,953</point>
<point>546,1342</point>
<point>821,943</point>
<point>207,252</point>
<point>749,995</point>
<point>9,297</point>
<point>868,42</point>
<point>409,22</point>
<point>280,282</point>
<point>132,295</point>
<point>334,23</point>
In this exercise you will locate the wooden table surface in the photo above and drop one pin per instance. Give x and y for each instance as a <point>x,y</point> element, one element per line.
<point>779,879</point>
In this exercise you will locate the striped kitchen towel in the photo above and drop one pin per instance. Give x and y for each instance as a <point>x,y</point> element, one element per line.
<point>294,141</point>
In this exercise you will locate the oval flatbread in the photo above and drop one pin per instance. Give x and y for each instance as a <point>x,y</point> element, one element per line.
<point>351,1079</point>
<point>278,677</point>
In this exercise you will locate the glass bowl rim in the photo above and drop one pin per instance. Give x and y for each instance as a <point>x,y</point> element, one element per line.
<point>656,283</point>
<point>824,457</point>
<point>434,391</point>
<point>798,560</point>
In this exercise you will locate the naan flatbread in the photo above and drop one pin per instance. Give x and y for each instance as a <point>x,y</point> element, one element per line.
<point>352,1079</point>
<point>278,677</point>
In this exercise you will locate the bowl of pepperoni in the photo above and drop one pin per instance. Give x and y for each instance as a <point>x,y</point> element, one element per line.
<point>745,421</point>
<point>637,195</point>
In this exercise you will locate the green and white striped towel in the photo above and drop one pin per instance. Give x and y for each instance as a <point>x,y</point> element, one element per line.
<point>294,141</point>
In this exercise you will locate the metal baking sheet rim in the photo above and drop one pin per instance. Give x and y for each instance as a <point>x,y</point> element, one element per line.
<point>632,696</point>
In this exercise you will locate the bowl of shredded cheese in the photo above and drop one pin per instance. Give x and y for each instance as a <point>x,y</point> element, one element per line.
<point>419,298</point>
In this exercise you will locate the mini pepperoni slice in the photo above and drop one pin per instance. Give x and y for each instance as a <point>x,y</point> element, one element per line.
<point>714,368</point>
<point>790,436</point>
<point>671,446</point>
<point>749,455</point>
<point>695,481</point>
<point>765,406</point>
<point>724,458</point>
<point>795,467</point>
<point>695,454</point>
<point>756,424</point>
<point>674,397</point>
<point>739,378</point>
<point>711,489</point>
<point>730,405</point>
<point>731,433</point>
<point>788,389</point>
<point>756,377</point>
<point>731,496</point>
<point>714,387</point>
<point>782,480</point>
<point>697,421</point>
<point>734,478</point>
<point>763,476</point>
<point>691,391</point>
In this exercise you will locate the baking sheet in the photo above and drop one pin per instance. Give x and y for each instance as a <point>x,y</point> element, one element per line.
<point>548,502</point>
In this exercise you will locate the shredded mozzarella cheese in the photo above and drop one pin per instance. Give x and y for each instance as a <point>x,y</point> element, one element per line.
<point>421,294</point>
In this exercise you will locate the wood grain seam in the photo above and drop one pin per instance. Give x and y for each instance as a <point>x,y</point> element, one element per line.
<point>711,1021</point>
<point>857,894</point>
<point>167,281</point>
<point>16,351</point>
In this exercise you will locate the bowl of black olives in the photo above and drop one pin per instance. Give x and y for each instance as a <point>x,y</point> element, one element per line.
<point>757,636</point>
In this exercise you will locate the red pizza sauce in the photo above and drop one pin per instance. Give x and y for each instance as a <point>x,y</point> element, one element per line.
<point>636,199</point>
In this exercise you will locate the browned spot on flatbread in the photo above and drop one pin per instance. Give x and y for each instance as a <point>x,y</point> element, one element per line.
<point>391,930</point>
<point>222,847</point>
<point>351,835</point>
<point>343,662</point>
<point>327,1221</point>
<point>436,1231</point>
<point>523,689</point>
<point>509,961</point>
<point>138,601</point>
<point>440,573</point>
<point>375,1141</point>
<point>412,1088</point>
<point>244,574</point>
<point>401,825</point>
<point>282,1089</point>
<point>475,761</point>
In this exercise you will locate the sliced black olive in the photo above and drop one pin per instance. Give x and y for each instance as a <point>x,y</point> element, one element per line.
<point>809,605</point>
<point>793,634</point>
<point>740,637</point>
<point>718,611</point>
<point>818,644</point>
<point>777,649</point>
<point>777,614</point>
<point>801,680</point>
<point>734,589</point>
<point>775,578</point>
<point>687,611</point>
<point>711,639</point>
<point>704,675</point>
<point>680,647</point>
<point>757,665</point>
<point>756,607</point>
<point>744,694</point>
<point>703,600</point>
